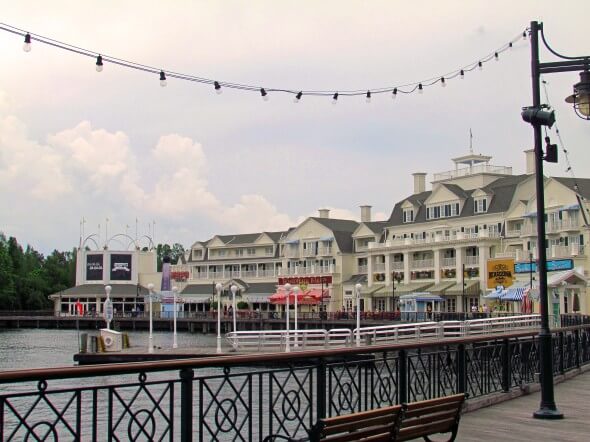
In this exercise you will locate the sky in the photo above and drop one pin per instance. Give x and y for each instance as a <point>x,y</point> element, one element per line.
<point>181,163</point>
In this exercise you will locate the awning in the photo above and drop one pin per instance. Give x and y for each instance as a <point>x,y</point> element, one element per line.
<point>424,297</point>
<point>197,299</point>
<point>304,298</point>
<point>400,289</point>
<point>292,241</point>
<point>441,287</point>
<point>559,278</point>
<point>327,238</point>
<point>513,294</point>
<point>571,207</point>
<point>530,215</point>
<point>496,294</point>
<point>471,288</point>
<point>366,291</point>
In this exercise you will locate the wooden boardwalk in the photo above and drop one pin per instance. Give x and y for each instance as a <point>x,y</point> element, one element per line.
<point>512,420</point>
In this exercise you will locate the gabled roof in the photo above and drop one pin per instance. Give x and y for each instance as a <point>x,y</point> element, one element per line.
<point>244,238</point>
<point>376,226</point>
<point>583,185</point>
<point>502,190</point>
<point>342,229</point>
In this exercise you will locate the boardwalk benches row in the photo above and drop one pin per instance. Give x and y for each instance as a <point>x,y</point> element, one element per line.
<point>393,423</point>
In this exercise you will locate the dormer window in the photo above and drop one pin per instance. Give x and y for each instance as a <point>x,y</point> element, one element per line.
<point>408,215</point>
<point>444,210</point>
<point>480,205</point>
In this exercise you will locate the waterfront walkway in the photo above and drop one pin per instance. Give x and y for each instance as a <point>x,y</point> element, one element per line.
<point>512,420</point>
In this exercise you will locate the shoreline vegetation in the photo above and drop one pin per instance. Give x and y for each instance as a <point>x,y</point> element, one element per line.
<point>27,277</point>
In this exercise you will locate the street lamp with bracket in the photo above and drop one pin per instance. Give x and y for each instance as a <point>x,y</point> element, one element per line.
<point>539,115</point>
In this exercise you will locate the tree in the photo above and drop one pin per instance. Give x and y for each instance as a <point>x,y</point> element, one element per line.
<point>174,252</point>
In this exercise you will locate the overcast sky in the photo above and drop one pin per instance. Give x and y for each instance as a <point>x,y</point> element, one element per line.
<point>77,144</point>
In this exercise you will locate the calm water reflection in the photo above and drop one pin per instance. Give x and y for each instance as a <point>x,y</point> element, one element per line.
<point>36,348</point>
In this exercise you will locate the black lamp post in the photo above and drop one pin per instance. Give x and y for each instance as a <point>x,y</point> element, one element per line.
<point>396,278</point>
<point>537,117</point>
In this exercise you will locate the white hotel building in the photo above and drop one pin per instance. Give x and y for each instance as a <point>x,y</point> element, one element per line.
<point>471,214</point>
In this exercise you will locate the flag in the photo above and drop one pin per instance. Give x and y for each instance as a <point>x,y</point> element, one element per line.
<point>79,308</point>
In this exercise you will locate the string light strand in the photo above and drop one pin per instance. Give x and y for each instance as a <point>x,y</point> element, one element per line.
<point>408,88</point>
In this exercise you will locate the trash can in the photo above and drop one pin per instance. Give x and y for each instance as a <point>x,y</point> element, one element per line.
<point>83,342</point>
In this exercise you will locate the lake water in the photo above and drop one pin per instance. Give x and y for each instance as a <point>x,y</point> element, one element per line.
<point>36,348</point>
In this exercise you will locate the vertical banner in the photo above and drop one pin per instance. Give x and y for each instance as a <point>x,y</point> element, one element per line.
<point>121,267</point>
<point>94,267</point>
<point>500,272</point>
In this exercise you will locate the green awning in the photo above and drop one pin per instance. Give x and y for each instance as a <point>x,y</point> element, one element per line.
<point>471,288</point>
<point>441,287</point>
<point>401,289</point>
<point>366,291</point>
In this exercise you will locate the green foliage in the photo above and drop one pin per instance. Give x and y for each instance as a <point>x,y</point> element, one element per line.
<point>27,278</point>
<point>174,252</point>
<point>242,305</point>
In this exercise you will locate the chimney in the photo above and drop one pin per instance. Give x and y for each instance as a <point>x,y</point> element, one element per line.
<point>365,214</point>
<point>530,161</point>
<point>324,213</point>
<point>419,182</point>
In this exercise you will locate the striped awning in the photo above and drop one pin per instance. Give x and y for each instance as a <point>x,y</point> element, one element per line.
<point>496,294</point>
<point>513,294</point>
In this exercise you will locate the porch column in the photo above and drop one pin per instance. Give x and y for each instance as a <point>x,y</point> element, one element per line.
<point>484,254</point>
<point>369,271</point>
<point>406,267</point>
<point>387,269</point>
<point>436,253</point>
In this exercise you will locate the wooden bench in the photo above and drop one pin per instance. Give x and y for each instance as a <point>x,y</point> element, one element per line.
<point>426,418</point>
<point>394,423</point>
<point>379,425</point>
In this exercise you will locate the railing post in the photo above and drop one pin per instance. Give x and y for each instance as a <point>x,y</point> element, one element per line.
<point>403,377</point>
<point>186,404</point>
<point>561,346</point>
<point>321,393</point>
<point>577,345</point>
<point>461,369</point>
<point>506,365</point>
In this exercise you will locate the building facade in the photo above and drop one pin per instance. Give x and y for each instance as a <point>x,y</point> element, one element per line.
<point>444,241</point>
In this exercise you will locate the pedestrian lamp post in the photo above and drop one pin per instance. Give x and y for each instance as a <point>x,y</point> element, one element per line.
<point>396,278</point>
<point>108,307</point>
<point>357,289</point>
<point>287,293</point>
<point>538,115</point>
<point>151,338</point>
<point>234,289</point>
<point>174,294</point>
<point>296,292</point>
<point>218,288</point>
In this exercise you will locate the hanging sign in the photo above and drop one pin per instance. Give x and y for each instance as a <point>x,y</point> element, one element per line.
<point>500,272</point>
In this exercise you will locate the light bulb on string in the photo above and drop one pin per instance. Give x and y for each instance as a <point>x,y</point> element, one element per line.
<point>394,93</point>
<point>368,99</point>
<point>480,65</point>
<point>443,83</point>
<point>420,88</point>
<point>510,45</point>
<point>218,89</point>
<point>462,74</point>
<point>496,56</point>
<point>163,82</point>
<point>335,98</point>
<point>27,43</point>
<point>99,64</point>
<point>264,95</point>
<point>524,35</point>
<point>298,97</point>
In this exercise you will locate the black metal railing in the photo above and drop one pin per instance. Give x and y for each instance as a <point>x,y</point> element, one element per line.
<point>248,397</point>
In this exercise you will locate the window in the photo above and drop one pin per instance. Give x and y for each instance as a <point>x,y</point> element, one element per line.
<point>445,210</point>
<point>268,251</point>
<point>408,215</point>
<point>239,252</point>
<point>197,254</point>
<point>480,205</point>
<point>251,251</point>
<point>221,252</point>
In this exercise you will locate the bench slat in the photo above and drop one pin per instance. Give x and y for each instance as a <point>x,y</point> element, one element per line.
<point>425,420</point>
<point>410,414</point>
<point>354,425</point>
<point>393,409</point>
<point>443,400</point>
<point>415,432</point>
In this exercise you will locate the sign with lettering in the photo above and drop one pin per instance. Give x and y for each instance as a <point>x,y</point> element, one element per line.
<point>121,267</point>
<point>500,272</point>
<point>298,280</point>
<point>94,267</point>
<point>553,265</point>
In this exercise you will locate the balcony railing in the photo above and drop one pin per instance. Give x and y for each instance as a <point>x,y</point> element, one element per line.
<point>184,399</point>
<point>422,264</point>
<point>325,251</point>
<point>362,269</point>
<point>472,260</point>
<point>467,171</point>
<point>449,262</point>
<point>397,265</point>
<point>379,267</point>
